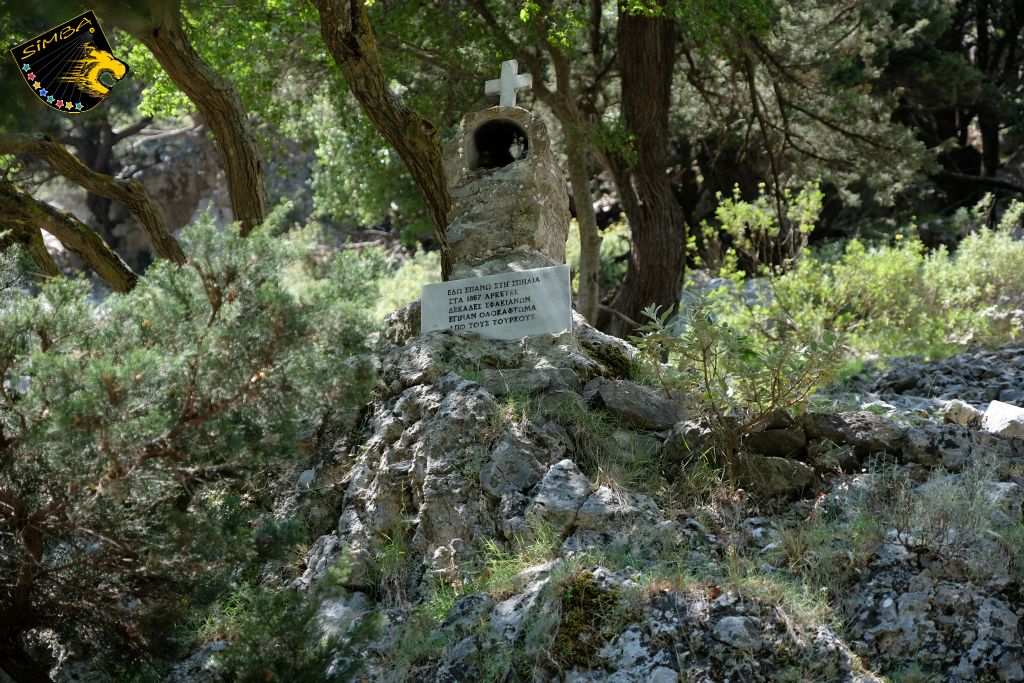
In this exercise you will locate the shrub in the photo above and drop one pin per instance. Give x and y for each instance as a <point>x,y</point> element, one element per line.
<point>274,635</point>
<point>737,384</point>
<point>403,284</point>
<point>615,246</point>
<point>140,435</point>
<point>756,235</point>
<point>892,298</point>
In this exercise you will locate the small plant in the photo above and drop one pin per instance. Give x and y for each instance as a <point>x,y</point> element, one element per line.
<point>273,634</point>
<point>757,235</point>
<point>390,568</point>
<point>894,297</point>
<point>588,618</point>
<point>738,384</point>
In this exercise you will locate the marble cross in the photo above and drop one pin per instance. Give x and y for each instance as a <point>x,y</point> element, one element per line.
<point>509,83</point>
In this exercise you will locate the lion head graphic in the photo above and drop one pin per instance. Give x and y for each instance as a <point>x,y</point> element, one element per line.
<point>85,71</point>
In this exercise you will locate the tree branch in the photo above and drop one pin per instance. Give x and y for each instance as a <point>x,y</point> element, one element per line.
<point>18,208</point>
<point>127,192</point>
<point>215,98</point>
<point>345,27</point>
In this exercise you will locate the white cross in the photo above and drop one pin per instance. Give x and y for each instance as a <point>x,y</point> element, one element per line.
<point>509,83</point>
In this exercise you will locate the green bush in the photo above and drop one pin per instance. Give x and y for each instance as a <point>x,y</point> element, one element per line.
<point>756,235</point>
<point>141,436</point>
<point>403,284</point>
<point>892,298</point>
<point>615,246</point>
<point>737,384</point>
<point>273,634</point>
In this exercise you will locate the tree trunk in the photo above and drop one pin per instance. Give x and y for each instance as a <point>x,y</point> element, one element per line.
<point>590,240</point>
<point>657,259</point>
<point>218,101</point>
<point>32,239</point>
<point>130,193</point>
<point>346,31</point>
<point>18,209</point>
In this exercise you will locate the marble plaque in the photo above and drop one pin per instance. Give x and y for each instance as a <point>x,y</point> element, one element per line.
<point>503,306</point>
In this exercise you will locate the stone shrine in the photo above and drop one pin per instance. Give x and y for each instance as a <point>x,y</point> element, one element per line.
<point>510,213</point>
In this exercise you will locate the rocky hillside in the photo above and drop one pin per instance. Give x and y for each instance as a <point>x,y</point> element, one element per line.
<point>526,511</point>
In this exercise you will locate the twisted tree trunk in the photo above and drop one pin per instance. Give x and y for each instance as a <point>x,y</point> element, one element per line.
<point>18,210</point>
<point>657,260</point>
<point>127,192</point>
<point>215,98</point>
<point>346,31</point>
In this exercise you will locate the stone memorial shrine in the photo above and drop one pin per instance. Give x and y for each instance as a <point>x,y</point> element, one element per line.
<point>507,226</point>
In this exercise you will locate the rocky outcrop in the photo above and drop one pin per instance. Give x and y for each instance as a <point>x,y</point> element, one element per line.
<point>975,377</point>
<point>479,449</point>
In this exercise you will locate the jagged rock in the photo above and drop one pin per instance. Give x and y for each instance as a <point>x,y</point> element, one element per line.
<point>911,607</point>
<point>825,455</point>
<point>609,510</point>
<point>614,353</point>
<point>509,617</point>
<point>635,405</point>
<point>975,377</point>
<point>337,615</point>
<point>961,413</point>
<point>421,360</point>
<point>787,442</point>
<point>689,441</point>
<point>560,495</point>
<point>740,632</point>
<point>949,445</point>
<point>768,476</point>
<point>1008,499</point>
<point>399,327</point>
<point>514,465</point>
<point>1004,419</point>
<point>527,380</point>
<point>866,432</point>
<point>200,667</point>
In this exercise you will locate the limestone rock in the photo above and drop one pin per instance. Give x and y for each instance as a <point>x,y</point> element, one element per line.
<point>738,632</point>
<point>949,445</point>
<point>785,442</point>
<point>399,327</point>
<point>688,442</point>
<point>560,495</point>
<point>961,413</point>
<point>769,476</point>
<point>635,405</point>
<point>1004,419</point>
<point>200,666</point>
<point>902,611</point>
<point>615,354</point>
<point>866,432</point>
<point>513,466</point>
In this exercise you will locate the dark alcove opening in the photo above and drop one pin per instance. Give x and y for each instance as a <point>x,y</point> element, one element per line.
<point>495,144</point>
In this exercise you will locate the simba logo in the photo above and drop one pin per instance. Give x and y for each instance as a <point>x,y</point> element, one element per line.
<point>70,67</point>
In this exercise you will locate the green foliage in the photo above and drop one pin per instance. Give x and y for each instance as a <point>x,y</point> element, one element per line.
<point>273,634</point>
<point>404,283</point>
<point>737,384</point>
<point>893,298</point>
<point>615,246</point>
<point>758,234</point>
<point>588,618</point>
<point>144,434</point>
